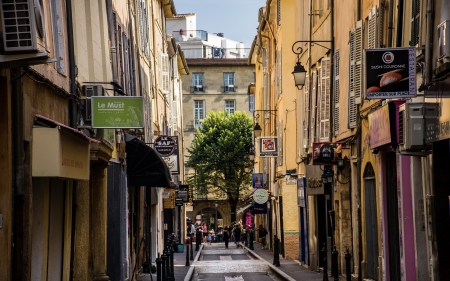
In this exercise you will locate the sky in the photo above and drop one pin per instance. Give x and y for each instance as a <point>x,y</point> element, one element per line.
<point>236,19</point>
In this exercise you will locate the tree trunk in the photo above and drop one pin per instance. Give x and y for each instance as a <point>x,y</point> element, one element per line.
<point>233,204</point>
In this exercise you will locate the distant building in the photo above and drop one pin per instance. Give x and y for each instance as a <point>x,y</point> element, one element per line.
<point>219,78</point>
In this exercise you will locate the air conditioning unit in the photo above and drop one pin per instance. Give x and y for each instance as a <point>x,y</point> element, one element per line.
<point>89,91</point>
<point>444,41</point>
<point>22,26</point>
<point>414,119</point>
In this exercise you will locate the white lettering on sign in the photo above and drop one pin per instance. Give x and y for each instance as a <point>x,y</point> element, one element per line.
<point>111,105</point>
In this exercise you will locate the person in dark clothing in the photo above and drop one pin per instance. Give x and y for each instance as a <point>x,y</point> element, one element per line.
<point>237,235</point>
<point>262,232</point>
<point>226,236</point>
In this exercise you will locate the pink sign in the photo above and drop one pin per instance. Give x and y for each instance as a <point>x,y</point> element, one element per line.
<point>380,127</point>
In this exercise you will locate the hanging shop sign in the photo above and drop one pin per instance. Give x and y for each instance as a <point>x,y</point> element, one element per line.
<point>382,125</point>
<point>326,153</point>
<point>116,112</point>
<point>301,184</point>
<point>257,180</point>
<point>167,147</point>
<point>169,202</point>
<point>260,196</point>
<point>183,190</point>
<point>268,147</point>
<point>390,73</point>
<point>179,202</point>
<point>259,208</point>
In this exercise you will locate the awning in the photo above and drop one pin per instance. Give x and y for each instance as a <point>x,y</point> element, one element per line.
<point>144,166</point>
<point>244,208</point>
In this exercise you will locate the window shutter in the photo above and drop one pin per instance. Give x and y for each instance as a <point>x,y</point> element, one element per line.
<point>415,23</point>
<point>279,73</point>
<point>372,39</point>
<point>312,120</point>
<point>336,92</point>
<point>358,62</point>
<point>306,95</point>
<point>351,95</point>
<point>325,100</point>
<point>280,143</point>
<point>165,80</point>
<point>380,27</point>
<point>279,12</point>
<point>174,115</point>
<point>264,59</point>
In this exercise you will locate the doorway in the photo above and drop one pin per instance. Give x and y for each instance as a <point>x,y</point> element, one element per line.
<point>371,227</point>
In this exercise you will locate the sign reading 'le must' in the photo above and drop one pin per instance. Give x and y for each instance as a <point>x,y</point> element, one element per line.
<point>165,145</point>
<point>260,196</point>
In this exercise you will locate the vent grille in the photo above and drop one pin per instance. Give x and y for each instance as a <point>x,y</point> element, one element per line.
<point>18,25</point>
<point>401,126</point>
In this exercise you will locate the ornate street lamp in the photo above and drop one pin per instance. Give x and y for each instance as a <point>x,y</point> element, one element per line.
<point>215,225</point>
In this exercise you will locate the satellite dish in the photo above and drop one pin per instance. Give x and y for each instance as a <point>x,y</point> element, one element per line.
<point>38,14</point>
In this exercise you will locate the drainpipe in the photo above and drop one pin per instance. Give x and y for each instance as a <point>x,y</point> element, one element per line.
<point>73,110</point>
<point>390,24</point>
<point>20,228</point>
<point>429,42</point>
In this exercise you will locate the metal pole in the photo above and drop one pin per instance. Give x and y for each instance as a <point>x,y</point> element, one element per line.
<point>192,250</point>
<point>334,263</point>
<point>277,243</point>
<point>187,253</point>
<point>158,269</point>
<point>251,240</point>
<point>347,266</point>
<point>325,266</point>
<point>164,266</point>
<point>171,268</point>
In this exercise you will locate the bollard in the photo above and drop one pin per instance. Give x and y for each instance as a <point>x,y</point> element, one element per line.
<point>277,243</point>
<point>347,265</point>
<point>158,269</point>
<point>251,240</point>
<point>325,263</point>
<point>171,276</point>
<point>334,263</point>
<point>275,253</point>
<point>187,252</point>
<point>192,250</point>
<point>164,266</point>
<point>198,239</point>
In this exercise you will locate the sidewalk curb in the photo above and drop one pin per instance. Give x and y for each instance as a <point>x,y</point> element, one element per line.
<point>191,269</point>
<point>274,268</point>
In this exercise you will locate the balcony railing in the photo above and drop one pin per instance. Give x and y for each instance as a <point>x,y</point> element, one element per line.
<point>208,52</point>
<point>198,88</point>
<point>229,88</point>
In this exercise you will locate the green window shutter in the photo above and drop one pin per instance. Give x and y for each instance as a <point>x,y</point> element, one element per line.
<point>358,62</point>
<point>306,112</point>
<point>351,94</point>
<point>336,92</point>
<point>313,111</point>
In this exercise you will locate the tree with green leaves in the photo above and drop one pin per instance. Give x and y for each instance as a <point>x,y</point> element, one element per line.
<point>219,154</point>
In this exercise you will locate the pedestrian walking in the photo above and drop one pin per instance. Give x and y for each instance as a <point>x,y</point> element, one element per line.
<point>237,235</point>
<point>262,232</point>
<point>205,232</point>
<point>226,236</point>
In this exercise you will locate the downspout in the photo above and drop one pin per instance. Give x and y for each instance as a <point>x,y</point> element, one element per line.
<point>73,112</point>
<point>18,271</point>
<point>429,42</point>
<point>358,172</point>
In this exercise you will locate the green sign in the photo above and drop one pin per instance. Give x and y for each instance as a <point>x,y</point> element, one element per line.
<point>117,112</point>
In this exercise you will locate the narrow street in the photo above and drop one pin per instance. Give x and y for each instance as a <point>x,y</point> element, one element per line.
<point>214,262</point>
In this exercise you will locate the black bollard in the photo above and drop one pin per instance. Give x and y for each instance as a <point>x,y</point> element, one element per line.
<point>278,252</point>
<point>251,240</point>
<point>187,252</point>
<point>173,267</point>
<point>275,250</point>
<point>325,263</point>
<point>334,263</point>
<point>192,247</point>
<point>163,267</point>
<point>347,265</point>
<point>158,269</point>
<point>198,239</point>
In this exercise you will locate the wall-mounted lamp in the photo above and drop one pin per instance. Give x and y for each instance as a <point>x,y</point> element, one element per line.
<point>327,176</point>
<point>251,155</point>
<point>257,130</point>
<point>299,72</point>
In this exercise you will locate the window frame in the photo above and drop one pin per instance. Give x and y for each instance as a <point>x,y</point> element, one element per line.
<point>227,78</point>
<point>199,111</point>
<point>202,82</point>
<point>228,109</point>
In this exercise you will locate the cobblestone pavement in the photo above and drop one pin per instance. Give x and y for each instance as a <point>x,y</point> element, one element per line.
<point>215,263</point>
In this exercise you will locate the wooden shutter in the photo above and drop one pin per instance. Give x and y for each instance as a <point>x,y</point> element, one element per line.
<point>380,26</point>
<point>279,73</point>
<point>372,34</point>
<point>174,115</point>
<point>165,78</point>
<point>279,12</point>
<point>351,84</point>
<point>280,143</point>
<point>312,120</point>
<point>358,62</point>
<point>306,95</point>
<point>325,100</point>
<point>336,92</point>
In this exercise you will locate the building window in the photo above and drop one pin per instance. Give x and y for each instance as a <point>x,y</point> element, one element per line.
<point>230,106</point>
<point>199,112</point>
<point>197,82</point>
<point>228,82</point>
<point>251,103</point>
